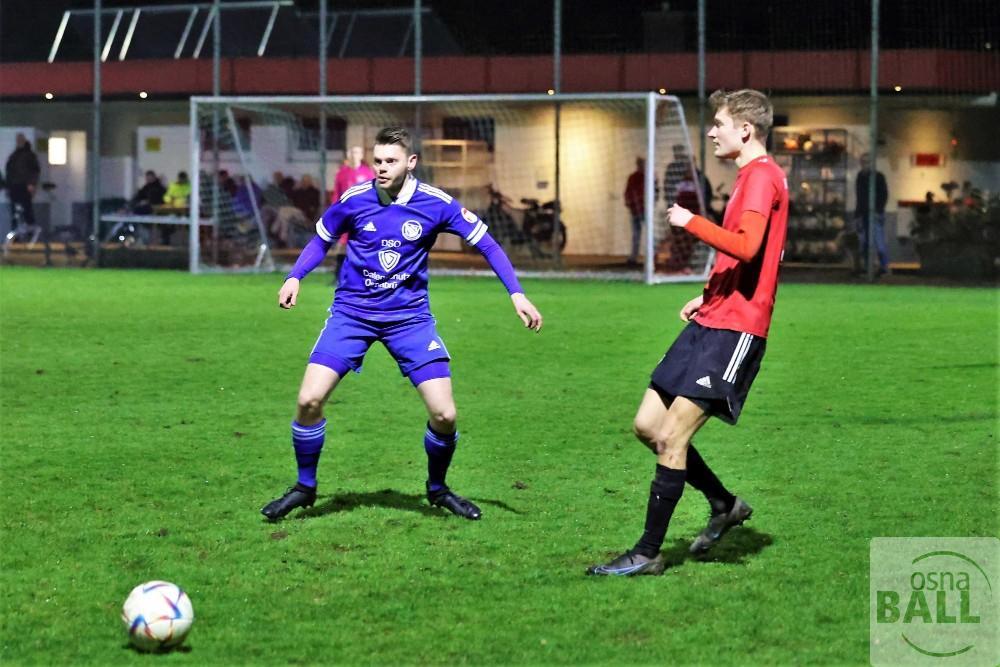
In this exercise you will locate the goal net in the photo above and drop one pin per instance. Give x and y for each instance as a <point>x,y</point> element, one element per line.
<point>569,185</point>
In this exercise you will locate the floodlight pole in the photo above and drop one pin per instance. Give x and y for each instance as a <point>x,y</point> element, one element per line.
<point>873,142</point>
<point>418,72</point>
<point>216,44</point>
<point>95,150</point>
<point>216,90</point>
<point>701,92</point>
<point>322,107</point>
<point>418,49</point>
<point>557,88</point>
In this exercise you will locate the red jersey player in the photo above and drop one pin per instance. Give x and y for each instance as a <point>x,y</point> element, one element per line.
<point>710,367</point>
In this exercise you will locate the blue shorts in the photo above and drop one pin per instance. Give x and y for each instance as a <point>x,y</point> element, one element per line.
<point>414,343</point>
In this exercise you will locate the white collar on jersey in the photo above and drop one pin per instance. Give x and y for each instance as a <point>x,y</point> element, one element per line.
<point>406,192</point>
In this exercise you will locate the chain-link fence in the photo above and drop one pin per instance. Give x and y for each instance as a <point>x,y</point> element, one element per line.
<point>921,127</point>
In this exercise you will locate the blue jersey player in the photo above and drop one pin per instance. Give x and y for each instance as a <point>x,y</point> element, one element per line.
<point>391,223</point>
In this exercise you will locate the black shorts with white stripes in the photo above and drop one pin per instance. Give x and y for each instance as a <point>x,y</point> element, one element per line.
<point>714,368</point>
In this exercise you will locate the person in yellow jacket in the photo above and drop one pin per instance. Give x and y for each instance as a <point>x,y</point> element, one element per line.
<point>179,192</point>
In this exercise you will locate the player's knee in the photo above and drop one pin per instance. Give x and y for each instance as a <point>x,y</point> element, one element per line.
<point>671,440</point>
<point>644,430</point>
<point>310,405</point>
<point>444,419</point>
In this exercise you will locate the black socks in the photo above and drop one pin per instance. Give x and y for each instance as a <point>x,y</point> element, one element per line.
<point>701,477</point>
<point>665,491</point>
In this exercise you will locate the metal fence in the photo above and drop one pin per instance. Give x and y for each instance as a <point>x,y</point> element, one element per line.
<point>912,111</point>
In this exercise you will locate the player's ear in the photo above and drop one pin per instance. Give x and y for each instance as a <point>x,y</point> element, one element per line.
<point>411,162</point>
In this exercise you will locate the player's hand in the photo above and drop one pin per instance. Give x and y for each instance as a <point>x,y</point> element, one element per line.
<point>690,308</point>
<point>288,293</point>
<point>527,312</point>
<point>679,216</point>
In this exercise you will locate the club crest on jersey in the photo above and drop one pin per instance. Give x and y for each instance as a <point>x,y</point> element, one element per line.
<point>412,230</point>
<point>388,259</point>
<point>469,216</point>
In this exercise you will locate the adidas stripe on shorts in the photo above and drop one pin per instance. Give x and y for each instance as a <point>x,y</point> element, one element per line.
<point>712,367</point>
<point>344,341</point>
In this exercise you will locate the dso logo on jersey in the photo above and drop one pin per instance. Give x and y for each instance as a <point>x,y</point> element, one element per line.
<point>388,259</point>
<point>412,230</point>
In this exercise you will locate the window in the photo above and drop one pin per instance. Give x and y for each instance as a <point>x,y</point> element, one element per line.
<point>336,134</point>
<point>481,128</point>
<point>226,140</point>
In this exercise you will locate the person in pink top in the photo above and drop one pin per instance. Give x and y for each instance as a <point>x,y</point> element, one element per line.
<point>353,172</point>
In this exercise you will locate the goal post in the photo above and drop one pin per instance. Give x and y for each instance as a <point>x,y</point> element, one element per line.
<point>255,163</point>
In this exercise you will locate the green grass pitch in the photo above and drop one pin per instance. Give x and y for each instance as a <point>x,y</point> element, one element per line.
<point>145,422</point>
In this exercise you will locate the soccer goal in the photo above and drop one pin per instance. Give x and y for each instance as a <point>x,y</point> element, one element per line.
<point>547,173</point>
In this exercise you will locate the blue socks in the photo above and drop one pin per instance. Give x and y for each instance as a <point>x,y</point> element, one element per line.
<point>308,443</point>
<point>440,448</point>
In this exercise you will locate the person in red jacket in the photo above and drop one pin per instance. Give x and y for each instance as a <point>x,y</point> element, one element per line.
<point>709,368</point>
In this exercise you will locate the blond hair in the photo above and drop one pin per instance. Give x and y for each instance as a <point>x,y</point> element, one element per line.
<point>748,106</point>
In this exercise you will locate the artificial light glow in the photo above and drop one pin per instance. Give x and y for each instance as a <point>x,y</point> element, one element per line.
<point>143,95</point>
<point>49,96</point>
<point>57,150</point>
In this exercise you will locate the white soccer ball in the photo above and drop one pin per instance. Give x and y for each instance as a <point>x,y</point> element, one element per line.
<point>157,615</point>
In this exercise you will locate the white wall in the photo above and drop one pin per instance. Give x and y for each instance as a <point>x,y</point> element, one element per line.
<point>929,131</point>
<point>269,151</point>
<point>70,179</point>
<point>164,149</point>
<point>598,148</point>
<point>118,176</point>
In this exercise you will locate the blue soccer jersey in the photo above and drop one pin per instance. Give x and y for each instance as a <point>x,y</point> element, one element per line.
<point>384,277</point>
